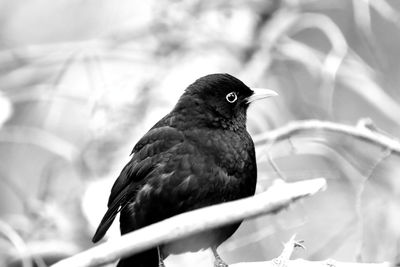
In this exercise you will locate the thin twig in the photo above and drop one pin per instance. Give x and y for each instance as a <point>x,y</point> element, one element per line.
<point>300,127</point>
<point>18,243</point>
<point>275,167</point>
<point>359,194</point>
<point>278,196</point>
<point>287,252</point>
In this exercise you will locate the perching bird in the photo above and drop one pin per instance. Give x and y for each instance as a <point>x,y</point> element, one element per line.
<point>198,155</point>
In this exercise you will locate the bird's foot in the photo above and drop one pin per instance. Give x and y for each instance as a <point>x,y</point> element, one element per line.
<point>160,258</point>
<point>220,263</point>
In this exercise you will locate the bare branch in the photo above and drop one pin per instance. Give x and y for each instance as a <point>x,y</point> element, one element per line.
<point>358,132</point>
<point>277,197</point>
<point>284,260</point>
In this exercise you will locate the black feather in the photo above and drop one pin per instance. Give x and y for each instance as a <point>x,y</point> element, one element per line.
<point>199,154</point>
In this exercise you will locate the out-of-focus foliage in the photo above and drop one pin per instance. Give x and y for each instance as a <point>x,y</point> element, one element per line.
<point>82,81</point>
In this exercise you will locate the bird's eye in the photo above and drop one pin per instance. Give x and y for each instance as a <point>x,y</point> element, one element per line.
<point>231,97</point>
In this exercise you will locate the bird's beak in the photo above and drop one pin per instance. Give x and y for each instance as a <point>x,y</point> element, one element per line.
<point>260,93</point>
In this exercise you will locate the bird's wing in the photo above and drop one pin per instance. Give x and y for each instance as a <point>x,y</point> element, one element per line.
<point>146,156</point>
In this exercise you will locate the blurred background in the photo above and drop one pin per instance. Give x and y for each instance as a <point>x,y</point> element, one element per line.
<point>81,81</point>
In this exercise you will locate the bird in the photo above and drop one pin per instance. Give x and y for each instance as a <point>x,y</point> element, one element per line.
<point>199,154</point>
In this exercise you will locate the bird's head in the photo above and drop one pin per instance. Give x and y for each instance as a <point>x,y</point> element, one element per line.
<point>219,100</point>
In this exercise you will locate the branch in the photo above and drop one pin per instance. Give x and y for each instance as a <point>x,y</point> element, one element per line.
<point>306,263</point>
<point>363,131</point>
<point>277,197</point>
<point>284,260</point>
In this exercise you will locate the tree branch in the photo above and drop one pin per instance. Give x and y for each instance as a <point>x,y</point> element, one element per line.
<point>362,131</point>
<point>284,260</point>
<point>305,263</point>
<point>277,197</point>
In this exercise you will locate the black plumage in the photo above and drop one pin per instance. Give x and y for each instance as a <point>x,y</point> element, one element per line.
<point>198,155</point>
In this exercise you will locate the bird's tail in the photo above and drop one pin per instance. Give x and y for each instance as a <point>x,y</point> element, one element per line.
<point>148,258</point>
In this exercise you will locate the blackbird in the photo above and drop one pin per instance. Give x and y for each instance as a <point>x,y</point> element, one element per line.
<point>198,155</point>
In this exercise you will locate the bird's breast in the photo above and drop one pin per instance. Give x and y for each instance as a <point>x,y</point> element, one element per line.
<point>231,150</point>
